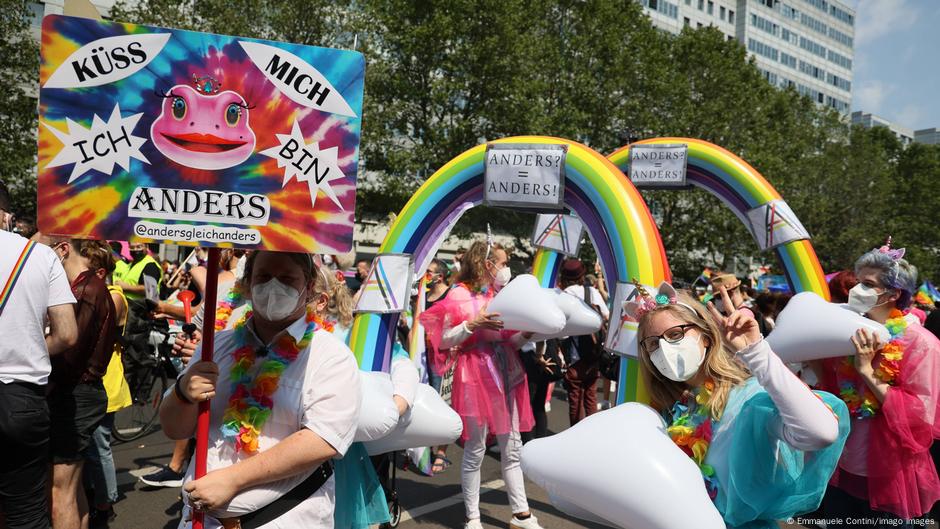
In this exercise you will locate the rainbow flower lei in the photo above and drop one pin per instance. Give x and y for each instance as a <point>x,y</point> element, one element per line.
<point>691,430</point>
<point>861,402</point>
<point>225,308</point>
<point>250,404</point>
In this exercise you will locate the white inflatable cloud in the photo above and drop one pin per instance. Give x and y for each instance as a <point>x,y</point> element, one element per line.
<point>810,328</point>
<point>619,467</point>
<point>429,422</point>
<point>525,306</point>
<point>378,415</point>
<point>580,318</point>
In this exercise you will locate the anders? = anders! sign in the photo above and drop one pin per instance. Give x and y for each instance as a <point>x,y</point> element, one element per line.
<point>149,133</point>
<point>525,176</point>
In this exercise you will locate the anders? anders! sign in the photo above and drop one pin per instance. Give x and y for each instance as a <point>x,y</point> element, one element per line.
<point>158,134</point>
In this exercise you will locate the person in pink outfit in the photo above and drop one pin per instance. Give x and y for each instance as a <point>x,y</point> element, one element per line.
<point>892,392</point>
<point>490,391</point>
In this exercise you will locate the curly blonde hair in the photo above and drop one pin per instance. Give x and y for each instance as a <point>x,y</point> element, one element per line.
<point>719,364</point>
<point>473,264</point>
<point>340,306</point>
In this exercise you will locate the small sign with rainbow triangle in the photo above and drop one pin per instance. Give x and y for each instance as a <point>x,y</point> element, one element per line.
<point>561,233</point>
<point>387,287</point>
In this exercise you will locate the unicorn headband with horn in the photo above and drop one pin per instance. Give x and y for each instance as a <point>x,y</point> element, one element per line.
<point>894,254</point>
<point>489,241</point>
<point>644,302</point>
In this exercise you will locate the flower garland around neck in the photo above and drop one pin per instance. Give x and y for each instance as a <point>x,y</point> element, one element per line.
<point>253,395</point>
<point>863,404</point>
<point>691,430</point>
<point>224,311</point>
<point>476,290</point>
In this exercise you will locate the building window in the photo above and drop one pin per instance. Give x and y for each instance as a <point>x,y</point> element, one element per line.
<point>686,22</point>
<point>765,25</point>
<point>789,36</point>
<point>688,2</point>
<point>788,60</point>
<point>841,60</point>
<point>842,15</point>
<point>698,25</point>
<point>722,11</point>
<point>840,37</point>
<point>813,47</point>
<point>760,48</point>
<point>36,11</point>
<point>731,16</point>
<point>701,5</point>
<point>711,7</point>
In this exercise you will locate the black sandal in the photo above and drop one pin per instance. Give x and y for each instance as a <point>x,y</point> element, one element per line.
<point>440,462</point>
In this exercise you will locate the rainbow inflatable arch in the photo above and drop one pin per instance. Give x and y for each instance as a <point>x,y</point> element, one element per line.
<point>614,214</point>
<point>741,188</point>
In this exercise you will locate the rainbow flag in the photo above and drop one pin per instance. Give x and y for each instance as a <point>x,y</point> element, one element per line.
<point>930,291</point>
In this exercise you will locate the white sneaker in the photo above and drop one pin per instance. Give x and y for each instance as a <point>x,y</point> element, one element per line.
<point>548,407</point>
<point>529,523</point>
<point>473,524</point>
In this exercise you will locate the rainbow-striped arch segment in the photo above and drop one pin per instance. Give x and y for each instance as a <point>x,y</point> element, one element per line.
<point>741,188</point>
<point>614,214</point>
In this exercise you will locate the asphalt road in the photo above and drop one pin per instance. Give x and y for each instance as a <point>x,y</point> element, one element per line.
<point>426,502</point>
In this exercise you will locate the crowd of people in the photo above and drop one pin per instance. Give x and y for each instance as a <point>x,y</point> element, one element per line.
<point>856,435</point>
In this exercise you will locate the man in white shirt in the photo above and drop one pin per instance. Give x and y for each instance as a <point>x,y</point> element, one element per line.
<point>32,286</point>
<point>312,419</point>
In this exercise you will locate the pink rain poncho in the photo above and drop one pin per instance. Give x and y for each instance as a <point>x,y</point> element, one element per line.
<point>901,477</point>
<point>488,375</point>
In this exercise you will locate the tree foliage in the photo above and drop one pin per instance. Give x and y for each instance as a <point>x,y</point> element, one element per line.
<point>444,75</point>
<point>19,68</point>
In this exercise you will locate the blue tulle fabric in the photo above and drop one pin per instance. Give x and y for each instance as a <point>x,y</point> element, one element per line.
<point>761,478</point>
<point>360,500</point>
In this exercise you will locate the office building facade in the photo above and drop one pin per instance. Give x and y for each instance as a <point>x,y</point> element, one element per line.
<point>804,44</point>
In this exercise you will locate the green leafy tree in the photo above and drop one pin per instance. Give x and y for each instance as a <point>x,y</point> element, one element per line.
<point>19,66</point>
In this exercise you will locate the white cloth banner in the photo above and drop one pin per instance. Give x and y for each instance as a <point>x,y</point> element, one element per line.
<point>658,165</point>
<point>525,176</point>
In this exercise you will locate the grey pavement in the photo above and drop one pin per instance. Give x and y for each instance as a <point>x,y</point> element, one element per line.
<point>427,502</point>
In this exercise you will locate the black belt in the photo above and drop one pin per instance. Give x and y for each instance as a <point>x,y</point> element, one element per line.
<point>285,503</point>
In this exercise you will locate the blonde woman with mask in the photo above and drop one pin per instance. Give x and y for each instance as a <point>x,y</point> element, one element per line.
<point>765,443</point>
<point>490,390</point>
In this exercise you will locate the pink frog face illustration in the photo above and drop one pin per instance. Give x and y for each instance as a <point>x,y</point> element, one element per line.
<point>202,128</point>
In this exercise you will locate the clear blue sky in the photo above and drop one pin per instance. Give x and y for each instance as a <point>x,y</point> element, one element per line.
<point>897,61</point>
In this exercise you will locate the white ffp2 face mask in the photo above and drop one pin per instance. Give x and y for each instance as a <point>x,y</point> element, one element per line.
<point>679,361</point>
<point>273,300</point>
<point>503,276</point>
<point>863,298</point>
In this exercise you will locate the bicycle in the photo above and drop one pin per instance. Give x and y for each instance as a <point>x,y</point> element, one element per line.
<point>148,377</point>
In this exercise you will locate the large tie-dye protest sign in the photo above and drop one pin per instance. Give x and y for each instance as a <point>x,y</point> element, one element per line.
<point>176,136</point>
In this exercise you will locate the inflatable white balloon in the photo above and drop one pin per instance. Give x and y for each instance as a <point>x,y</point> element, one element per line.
<point>429,422</point>
<point>378,414</point>
<point>619,467</point>
<point>810,328</point>
<point>580,318</point>
<point>525,306</point>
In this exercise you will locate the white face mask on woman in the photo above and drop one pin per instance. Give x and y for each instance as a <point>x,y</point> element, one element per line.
<point>679,361</point>
<point>863,298</point>
<point>502,278</point>
<point>273,300</point>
